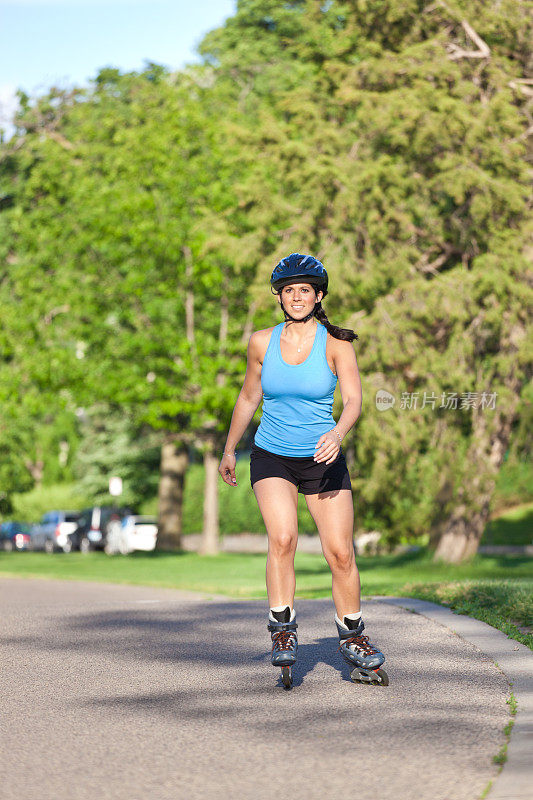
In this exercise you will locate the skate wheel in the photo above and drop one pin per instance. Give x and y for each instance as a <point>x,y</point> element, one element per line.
<point>378,677</point>
<point>286,677</point>
<point>383,677</point>
<point>361,676</point>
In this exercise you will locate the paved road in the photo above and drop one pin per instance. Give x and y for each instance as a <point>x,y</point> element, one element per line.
<point>132,693</point>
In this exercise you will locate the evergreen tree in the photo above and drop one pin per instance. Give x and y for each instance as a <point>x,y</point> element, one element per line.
<point>392,140</point>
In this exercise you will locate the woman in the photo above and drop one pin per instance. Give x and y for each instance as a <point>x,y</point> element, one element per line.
<point>294,368</point>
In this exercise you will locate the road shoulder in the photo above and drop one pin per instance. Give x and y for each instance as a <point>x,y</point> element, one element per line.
<point>514,659</point>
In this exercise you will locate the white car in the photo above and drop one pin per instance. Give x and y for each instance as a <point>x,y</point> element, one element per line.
<point>137,533</point>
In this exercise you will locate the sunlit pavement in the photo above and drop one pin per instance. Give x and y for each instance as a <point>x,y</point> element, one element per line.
<point>138,693</point>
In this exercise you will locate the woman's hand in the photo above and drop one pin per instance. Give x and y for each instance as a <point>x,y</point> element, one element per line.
<point>328,447</point>
<point>227,469</point>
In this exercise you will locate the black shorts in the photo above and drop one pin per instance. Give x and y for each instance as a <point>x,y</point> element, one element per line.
<point>310,476</point>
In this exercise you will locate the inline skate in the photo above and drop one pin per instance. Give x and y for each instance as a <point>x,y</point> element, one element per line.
<point>360,653</point>
<point>284,642</point>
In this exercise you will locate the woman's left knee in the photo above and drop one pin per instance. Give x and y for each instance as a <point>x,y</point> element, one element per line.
<point>341,558</point>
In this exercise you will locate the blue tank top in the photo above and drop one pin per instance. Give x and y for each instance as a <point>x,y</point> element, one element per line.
<point>297,398</point>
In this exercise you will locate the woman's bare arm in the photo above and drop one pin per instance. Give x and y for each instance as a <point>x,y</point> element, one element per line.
<point>249,397</point>
<point>349,385</point>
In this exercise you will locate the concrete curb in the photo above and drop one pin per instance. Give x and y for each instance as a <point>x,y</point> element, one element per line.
<point>506,550</point>
<point>515,781</point>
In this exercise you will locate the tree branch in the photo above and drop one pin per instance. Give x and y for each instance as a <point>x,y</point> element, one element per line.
<point>248,325</point>
<point>57,137</point>
<point>457,52</point>
<point>523,84</point>
<point>433,266</point>
<point>454,50</point>
<point>54,312</point>
<point>189,296</point>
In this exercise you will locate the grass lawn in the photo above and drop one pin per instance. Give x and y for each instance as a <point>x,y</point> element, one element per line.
<point>497,589</point>
<point>512,527</point>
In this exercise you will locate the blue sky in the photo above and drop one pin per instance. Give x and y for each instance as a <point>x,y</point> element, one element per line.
<point>44,42</point>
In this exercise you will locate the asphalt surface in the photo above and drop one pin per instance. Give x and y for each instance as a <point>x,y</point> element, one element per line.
<point>124,692</point>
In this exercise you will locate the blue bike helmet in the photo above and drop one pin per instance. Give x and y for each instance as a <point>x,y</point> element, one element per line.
<point>307,268</point>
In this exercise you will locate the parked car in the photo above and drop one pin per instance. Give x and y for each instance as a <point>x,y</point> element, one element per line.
<point>52,532</point>
<point>15,536</point>
<point>137,532</point>
<point>93,527</point>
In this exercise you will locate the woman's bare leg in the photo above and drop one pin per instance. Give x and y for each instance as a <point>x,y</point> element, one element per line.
<point>278,503</point>
<point>333,515</point>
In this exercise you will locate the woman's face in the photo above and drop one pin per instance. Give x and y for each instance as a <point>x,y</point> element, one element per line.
<point>299,299</point>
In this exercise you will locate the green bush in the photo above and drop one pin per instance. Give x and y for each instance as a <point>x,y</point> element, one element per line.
<point>238,509</point>
<point>240,513</point>
<point>30,506</point>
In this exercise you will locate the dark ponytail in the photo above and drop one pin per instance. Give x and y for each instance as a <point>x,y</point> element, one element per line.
<point>337,333</point>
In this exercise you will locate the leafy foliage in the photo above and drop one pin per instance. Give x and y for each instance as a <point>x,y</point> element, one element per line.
<point>112,445</point>
<point>140,220</point>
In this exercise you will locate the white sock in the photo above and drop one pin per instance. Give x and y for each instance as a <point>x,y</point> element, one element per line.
<point>281,608</point>
<point>355,616</point>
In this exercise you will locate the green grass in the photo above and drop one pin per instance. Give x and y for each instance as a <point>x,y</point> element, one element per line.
<point>501,757</point>
<point>504,604</point>
<point>496,589</point>
<point>511,527</point>
<point>514,484</point>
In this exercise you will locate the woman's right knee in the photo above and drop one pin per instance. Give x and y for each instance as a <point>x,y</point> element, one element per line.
<point>282,544</point>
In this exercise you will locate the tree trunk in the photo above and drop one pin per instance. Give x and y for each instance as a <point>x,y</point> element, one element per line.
<point>349,454</point>
<point>209,543</point>
<point>213,446</point>
<point>458,537</point>
<point>36,467</point>
<point>174,463</point>
<point>463,532</point>
<point>189,295</point>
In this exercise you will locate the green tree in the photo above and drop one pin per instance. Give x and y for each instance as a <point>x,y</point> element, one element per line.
<point>111,445</point>
<point>143,218</point>
<point>129,187</point>
<point>390,140</point>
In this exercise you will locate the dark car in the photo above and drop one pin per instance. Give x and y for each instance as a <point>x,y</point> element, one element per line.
<point>93,527</point>
<point>15,536</point>
<point>52,532</point>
